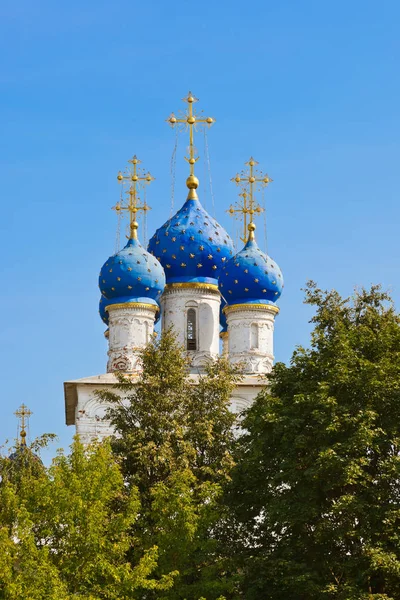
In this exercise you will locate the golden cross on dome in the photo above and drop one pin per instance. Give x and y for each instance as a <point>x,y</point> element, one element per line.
<point>23,414</point>
<point>138,179</point>
<point>241,210</point>
<point>189,119</point>
<point>250,180</point>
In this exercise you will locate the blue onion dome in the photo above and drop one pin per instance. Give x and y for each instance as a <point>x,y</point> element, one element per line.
<point>131,275</point>
<point>251,277</point>
<point>191,246</point>
<point>222,317</point>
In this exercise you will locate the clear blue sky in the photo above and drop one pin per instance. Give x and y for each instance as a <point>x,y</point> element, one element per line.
<point>310,88</point>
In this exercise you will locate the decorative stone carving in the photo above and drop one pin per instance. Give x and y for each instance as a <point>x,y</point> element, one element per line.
<point>131,326</point>
<point>250,340</point>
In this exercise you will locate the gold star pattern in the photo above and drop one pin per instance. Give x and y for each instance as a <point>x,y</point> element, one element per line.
<point>214,267</point>
<point>174,239</point>
<point>246,289</point>
<point>264,291</point>
<point>209,256</point>
<point>110,270</point>
<point>183,264</point>
<point>129,268</point>
<point>191,255</point>
<point>236,281</point>
<point>182,247</point>
<point>118,278</point>
<point>199,265</point>
<point>168,266</point>
<point>139,279</point>
<point>201,247</point>
<point>173,256</point>
<point>167,233</point>
<point>256,280</point>
<point>192,238</point>
<point>129,287</point>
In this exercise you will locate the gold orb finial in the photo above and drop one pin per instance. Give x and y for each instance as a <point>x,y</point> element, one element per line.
<point>134,227</point>
<point>251,227</point>
<point>192,182</point>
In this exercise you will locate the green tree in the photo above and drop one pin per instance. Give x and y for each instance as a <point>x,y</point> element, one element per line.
<point>65,531</point>
<point>316,491</point>
<point>174,438</point>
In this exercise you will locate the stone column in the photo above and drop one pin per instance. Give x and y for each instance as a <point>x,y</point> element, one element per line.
<point>204,299</point>
<point>131,326</point>
<point>251,333</point>
<point>224,335</point>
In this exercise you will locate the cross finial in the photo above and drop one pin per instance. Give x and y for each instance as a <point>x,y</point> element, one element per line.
<point>250,181</point>
<point>23,414</point>
<point>138,179</point>
<point>189,119</point>
<point>241,210</point>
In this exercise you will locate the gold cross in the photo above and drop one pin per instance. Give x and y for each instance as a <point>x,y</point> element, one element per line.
<point>241,210</point>
<point>23,414</point>
<point>190,119</point>
<point>250,180</point>
<point>138,179</point>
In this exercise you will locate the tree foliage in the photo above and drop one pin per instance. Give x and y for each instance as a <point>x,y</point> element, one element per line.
<point>175,441</point>
<point>65,531</point>
<point>316,493</point>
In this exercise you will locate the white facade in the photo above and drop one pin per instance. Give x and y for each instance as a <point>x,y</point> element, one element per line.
<point>248,341</point>
<point>192,310</point>
<point>84,410</point>
<point>251,336</point>
<point>131,326</point>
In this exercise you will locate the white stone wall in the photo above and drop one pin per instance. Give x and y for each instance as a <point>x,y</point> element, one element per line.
<point>90,411</point>
<point>250,340</point>
<point>89,415</point>
<point>175,303</point>
<point>130,328</point>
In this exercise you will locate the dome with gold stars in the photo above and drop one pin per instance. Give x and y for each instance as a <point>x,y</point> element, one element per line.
<point>131,275</point>
<point>251,277</point>
<point>191,246</point>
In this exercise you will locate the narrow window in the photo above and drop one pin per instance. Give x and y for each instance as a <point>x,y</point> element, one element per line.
<point>254,336</point>
<point>191,329</point>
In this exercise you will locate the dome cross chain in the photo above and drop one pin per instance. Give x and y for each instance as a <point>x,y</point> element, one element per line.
<point>138,179</point>
<point>189,119</point>
<point>249,181</point>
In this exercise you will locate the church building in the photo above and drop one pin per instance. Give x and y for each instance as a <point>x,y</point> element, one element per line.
<point>190,278</point>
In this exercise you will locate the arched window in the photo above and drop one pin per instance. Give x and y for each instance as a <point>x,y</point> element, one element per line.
<point>191,336</point>
<point>254,336</point>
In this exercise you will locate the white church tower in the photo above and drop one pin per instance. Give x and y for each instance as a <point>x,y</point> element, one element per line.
<point>192,247</point>
<point>215,301</point>
<point>251,283</point>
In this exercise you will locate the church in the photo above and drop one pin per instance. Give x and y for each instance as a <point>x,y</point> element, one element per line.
<point>190,278</point>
